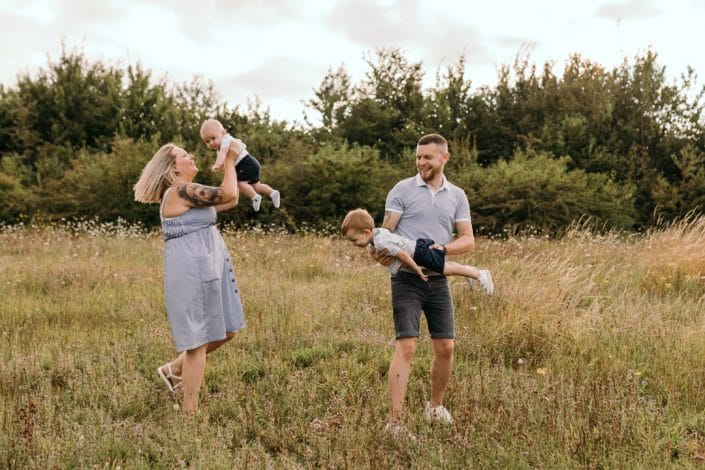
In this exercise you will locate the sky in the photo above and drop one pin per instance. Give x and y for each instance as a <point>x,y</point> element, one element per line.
<point>279,51</point>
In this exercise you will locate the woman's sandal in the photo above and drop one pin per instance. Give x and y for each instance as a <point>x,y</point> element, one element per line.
<point>168,376</point>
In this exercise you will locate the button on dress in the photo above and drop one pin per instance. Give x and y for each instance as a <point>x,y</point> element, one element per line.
<point>200,288</point>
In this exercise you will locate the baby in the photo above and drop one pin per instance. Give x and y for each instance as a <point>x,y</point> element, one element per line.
<point>246,166</point>
<point>358,228</point>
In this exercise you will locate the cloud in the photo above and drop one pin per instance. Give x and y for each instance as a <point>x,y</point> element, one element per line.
<point>82,15</point>
<point>454,40</point>
<point>433,37</point>
<point>509,42</point>
<point>631,9</point>
<point>207,20</point>
<point>372,24</point>
<point>276,78</point>
<point>34,38</point>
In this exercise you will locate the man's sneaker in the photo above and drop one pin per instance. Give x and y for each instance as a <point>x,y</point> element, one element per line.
<point>486,281</point>
<point>397,431</point>
<point>256,201</point>
<point>275,198</point>
<point>437,413</point>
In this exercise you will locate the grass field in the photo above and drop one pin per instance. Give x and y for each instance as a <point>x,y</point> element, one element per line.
<point>591,354</point>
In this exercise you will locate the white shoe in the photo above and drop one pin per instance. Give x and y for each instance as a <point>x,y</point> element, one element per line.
<point>398,431</point>
<point>275,198</point>
<point>486,281</point>
<point>256,201</point>
<point>172,381</point>
<point>437,413</point>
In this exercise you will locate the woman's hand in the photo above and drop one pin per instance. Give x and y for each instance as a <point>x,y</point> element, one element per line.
<point>234,150</point>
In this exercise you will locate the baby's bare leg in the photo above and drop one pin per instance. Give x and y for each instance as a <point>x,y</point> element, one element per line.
<point>452,268</point>
<point>262,188</point>
<point>246,189</point>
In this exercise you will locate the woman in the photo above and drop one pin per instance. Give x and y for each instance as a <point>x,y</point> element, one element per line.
<point>200,289</point>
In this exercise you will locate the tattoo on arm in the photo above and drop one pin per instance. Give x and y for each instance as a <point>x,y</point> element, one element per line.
<point>200,195</point>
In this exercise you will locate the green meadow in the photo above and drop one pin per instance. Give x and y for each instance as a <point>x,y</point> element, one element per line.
<point>591,354</point>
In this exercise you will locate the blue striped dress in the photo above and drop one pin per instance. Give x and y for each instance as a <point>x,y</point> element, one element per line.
<point>200,289</point>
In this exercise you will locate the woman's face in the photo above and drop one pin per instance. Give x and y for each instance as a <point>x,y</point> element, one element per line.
<point>183,164</point>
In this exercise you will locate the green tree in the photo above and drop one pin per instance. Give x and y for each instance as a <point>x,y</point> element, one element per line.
<point>332,99</point>
<point>385,111</point>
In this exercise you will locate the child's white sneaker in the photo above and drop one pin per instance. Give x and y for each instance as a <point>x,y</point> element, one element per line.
<point>485,279</point>
<point>276,198</point>
<point>256,201</point>
<point>437,413</point>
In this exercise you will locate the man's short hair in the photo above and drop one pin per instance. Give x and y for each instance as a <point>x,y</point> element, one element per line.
<point>436,139</point>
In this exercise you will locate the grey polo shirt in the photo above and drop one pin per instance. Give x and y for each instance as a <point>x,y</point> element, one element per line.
<point>425,214</point>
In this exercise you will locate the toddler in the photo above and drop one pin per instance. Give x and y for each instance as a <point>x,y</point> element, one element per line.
<point>246,166</point>
<point>358,228</point>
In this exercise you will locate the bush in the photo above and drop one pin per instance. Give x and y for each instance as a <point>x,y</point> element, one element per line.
<point>15,200</point>
<point>535,190</point>
<point>100,185</point>
<point>320,189</point>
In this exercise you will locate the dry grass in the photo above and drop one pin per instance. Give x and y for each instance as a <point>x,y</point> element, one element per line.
<point>591,354</point>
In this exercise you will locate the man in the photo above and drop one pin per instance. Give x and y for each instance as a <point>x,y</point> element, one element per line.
<point>425,206</point>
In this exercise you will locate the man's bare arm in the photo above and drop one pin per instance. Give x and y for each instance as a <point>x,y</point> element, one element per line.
<point>391,220</point>
<point>464,242</point>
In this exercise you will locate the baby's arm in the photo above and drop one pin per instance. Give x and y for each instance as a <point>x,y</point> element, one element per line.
<point>220,159</point>
<point>409,262</point>
<point>223,152</point>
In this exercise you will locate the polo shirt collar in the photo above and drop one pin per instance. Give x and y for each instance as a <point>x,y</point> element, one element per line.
<point>420,182</point>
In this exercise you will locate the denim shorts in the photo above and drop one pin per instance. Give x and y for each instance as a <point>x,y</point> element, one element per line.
<point>411,295</point>
<point>435,260</point>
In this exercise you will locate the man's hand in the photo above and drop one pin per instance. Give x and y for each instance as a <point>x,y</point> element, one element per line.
<point>382,257</point>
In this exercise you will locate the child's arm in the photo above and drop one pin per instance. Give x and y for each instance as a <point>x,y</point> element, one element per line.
<point>409,262</point>
<point>220,159</point>
<point>223,152</point>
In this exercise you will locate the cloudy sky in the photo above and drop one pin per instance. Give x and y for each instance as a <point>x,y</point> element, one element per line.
<point>280,50</point>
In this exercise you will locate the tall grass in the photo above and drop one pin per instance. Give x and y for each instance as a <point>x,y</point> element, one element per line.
<point>590,354</point>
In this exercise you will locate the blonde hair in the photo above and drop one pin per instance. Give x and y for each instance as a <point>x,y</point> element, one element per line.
<point>157,175</point>
<point>211,122</point>
<point>359,220</point>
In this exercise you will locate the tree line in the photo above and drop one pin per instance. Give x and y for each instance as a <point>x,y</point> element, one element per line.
<point>623,148</point>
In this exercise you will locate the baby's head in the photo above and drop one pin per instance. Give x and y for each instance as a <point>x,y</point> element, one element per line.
<point>212,132</point>
<point>358,227</point>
